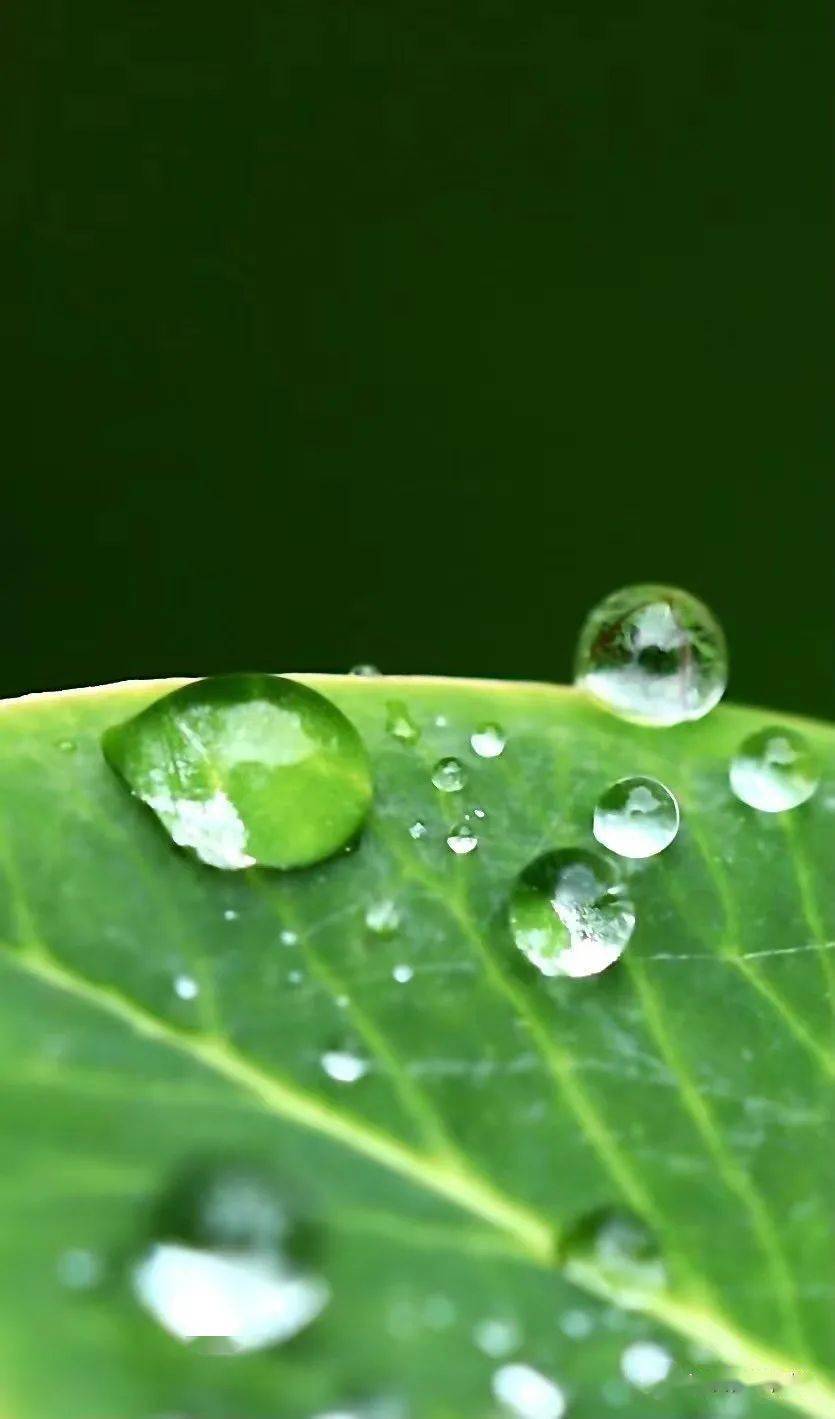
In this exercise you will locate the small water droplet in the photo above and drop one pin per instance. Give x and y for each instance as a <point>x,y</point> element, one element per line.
<point>186,987</point>
<point>527,1394</point>
<point>645,1364</point>
<point>636,817</point>
<point>230,914</point>
<point>652,654</point>
<point>774,770</point>
<point>246,769</point>
<point>620,1246</point>
<point>365,671</point>
<point>418,830</point>
<point>67,746</point>
<point>448,775</point>
<point>344,1066</point>
<point>569,913</point>
<point>403,974</point>
<point>441,721</point>
<point>288,938</point>
<point>462,840</point>
<point>479,813</point>
<point>79,1269</point>
<point>400,724</point>
<point>383,918</point>
<point>488,742</point>
<point>497,1337</point>
<point>228,1262</point>
<point>576,1324</point>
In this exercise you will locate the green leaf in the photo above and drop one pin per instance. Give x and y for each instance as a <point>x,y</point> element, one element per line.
<point>688,1086</point>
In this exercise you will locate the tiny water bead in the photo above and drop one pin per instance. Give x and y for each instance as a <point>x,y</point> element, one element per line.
<point>80,1269</point>
<point>228,1262</point>
<point>636,817</point>
<point>403,973</point>
<point>645,1364</point>
<point>496,1336</point>
<point>488,742</point>
<point>569,913</point>
<point>186,987</point>
<point>652,654</point>
<point>366,672</point>
<point>247,769</point>
<point>383,917</point>
<point>448,775</point>
<point>462,840</point>
<point>525,1393</point>
<point>418,830</point>
<point>617,1244</point>
<point>400,724</point>
<point>774,770</point>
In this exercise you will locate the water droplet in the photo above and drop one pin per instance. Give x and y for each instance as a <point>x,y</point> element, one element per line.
<point>576,1324</point>
<point>439,1312</point>
<point>479,813</point>
<point>462,840</point>
<point>653,655</point>
<point>488,742</point>
<point>403,974</point>
<point>620,1246</point>
<point>344,1066</point>
<point>383,918</point>
<point>644,1364</point>
<point>288,938</point>
<point>774,770</point>
<point>400,724</point>
<point>228,1263</point>
<point>67,746</point>
<point>246,769</point>
<point>418,830</point>
<point>497,1337</point>
<point>636,817</point>
<point>79,1269</point>
<point>448,775</point>
<point>569,913</point>
<point>525,1393</point>
<point>230,914</point>
<point>365,671</point>
<point>441,721</point>
<point>295,977</point>
<point>186,987</point>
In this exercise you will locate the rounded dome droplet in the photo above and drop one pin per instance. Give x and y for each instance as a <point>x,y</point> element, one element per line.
<point>654,655</point>
<point>636,817</point>
<point>228,1261</point>
<point>247,769</point>
<point>569,913</point>
<point>774,770</point>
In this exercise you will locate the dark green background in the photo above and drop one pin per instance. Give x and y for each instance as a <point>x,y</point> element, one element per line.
<point>402,332</point>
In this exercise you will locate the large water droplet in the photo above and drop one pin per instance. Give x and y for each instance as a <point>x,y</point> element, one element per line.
<point>462,840</point>
<point>246,769</point>
<point>774,770</point>
<point>645,1364</point>
<point>618,1245</point>
<point>448,775</point>
<point>636,817</point>
<point>228,1262</point>
<point>569,913</point>
<point>488,742</point>
<point>344,1066</point>
<point>526,1394</point>
<point>400,724</point>
<point>652,654</point>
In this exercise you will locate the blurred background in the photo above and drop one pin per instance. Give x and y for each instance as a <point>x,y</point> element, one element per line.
<point>379,331</point>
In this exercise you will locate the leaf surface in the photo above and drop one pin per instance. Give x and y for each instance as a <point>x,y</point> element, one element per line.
<point>692,1082</point>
